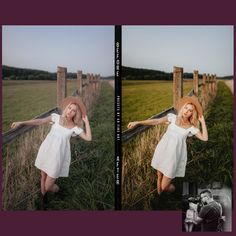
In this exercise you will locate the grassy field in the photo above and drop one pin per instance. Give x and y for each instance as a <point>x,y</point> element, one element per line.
<point>90,185</point>
<point>142,99</point>
<point>207,161</point>
<point>24,100</point>
<point>213,160</point>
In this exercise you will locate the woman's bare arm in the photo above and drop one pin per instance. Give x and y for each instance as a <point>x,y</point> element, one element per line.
<point>204,134</point>
<point>86,135</point>
<point>148,122</point>
<point>31,122</point>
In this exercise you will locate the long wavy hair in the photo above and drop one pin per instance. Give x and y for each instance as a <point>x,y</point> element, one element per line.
<point>77,119</point>
<point>193,119</point>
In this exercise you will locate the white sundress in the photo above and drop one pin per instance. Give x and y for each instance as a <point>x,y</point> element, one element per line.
<point>54,154</point>
<point>170,156</point>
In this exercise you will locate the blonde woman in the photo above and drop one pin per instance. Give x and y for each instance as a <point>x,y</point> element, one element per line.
<point>54,154</point>
<point>170,156</point>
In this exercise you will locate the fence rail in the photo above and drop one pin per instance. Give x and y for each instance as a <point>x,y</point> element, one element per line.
<point>208,87</point>
<point>12,134</point>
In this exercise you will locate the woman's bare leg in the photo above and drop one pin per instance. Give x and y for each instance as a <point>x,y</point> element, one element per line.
<point>186,227</point>
<point>43,180</point>
<point>159,180</point>
<point>190,229</point>
<point>50,185</point>
<point>166,183</point>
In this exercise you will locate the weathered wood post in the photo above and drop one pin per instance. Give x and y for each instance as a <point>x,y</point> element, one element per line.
<point>214,84</point>
<point>61,84</point>
<point>211,84</point>
<point>208,82</point>
<point>96,84</point>
<point>99,83</point>
<point>79,82</point>
<point>86,91</point>
<point>195,82</point>
<point>204,92</point>
<point>177,84</point>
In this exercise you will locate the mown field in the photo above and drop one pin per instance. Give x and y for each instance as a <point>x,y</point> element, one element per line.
<point>90,185</point>
<point>142,99</point>
<point>24,100</point>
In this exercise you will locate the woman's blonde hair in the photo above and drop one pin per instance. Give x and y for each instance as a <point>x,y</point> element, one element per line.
<point>77,119</point>
<point>193,119</point>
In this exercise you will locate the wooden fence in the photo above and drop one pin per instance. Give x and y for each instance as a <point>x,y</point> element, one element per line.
<point>208,91</point>
<point>88,88</point>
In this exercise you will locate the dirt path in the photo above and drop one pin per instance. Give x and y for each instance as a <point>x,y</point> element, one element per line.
<point>230,84</point>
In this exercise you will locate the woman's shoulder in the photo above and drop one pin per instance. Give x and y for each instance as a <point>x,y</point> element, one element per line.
<point>55,117</point>
<point>77,130</point>
<point>171,117</point>
<point>193,131</point>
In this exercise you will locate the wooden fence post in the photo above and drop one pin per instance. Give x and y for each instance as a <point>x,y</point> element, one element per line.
<point>79,82</point>
<point>211,84</point>
<point>204,97</point>
<point>195,82</point>
<point>214,84</point>
<point>208,82</point>
<point>204,79</point>
<point>177,84</point>
<point>61,84</point>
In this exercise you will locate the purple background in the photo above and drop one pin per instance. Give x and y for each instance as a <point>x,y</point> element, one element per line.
<point>104,12</point>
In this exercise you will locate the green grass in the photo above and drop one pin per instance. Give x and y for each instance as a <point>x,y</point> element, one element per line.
<point>23,100</point>
<point>213,160</point>
<point>207,161</point>
<point>90,185</point>
<point>142,99</point>
<point>139,178</point>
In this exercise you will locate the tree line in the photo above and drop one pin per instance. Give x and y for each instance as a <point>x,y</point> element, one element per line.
<point>129,73</point>
<point>13,73</point>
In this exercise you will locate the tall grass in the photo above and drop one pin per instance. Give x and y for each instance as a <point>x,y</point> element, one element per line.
<point>20,177</point>
<point>90,184</point>
<point>138,177</point>
<point>213,160</point>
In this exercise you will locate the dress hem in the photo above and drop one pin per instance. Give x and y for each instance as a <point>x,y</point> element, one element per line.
<point>165,174</point>
<point>47,172</point>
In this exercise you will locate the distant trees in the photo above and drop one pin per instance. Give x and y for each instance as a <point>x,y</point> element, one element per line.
<point>13,73</point>
<point>144,74</point>
<point>129,73</point>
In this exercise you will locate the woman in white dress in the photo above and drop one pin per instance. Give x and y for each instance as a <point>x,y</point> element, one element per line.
<point>170,156</point>
<point>54,154</point>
